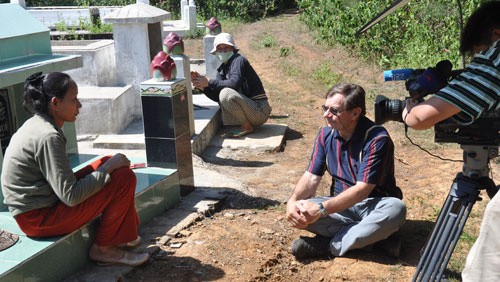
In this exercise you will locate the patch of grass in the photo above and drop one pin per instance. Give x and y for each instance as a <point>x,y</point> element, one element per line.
<point>195,34</point>
<point>69,30</point>
<point>231,26</point>
<point>289,69</point>
<point>61,26</point>
<point>435,211</point>
<point>268,41</point>
<point>326,76</point>
<point>285,51</point>
<point>466,237</point>
<point>370,96</point>
<point>396,268</point>
<point>98,27</point>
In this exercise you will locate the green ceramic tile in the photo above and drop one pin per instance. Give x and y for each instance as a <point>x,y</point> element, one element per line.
<point>149,204</point>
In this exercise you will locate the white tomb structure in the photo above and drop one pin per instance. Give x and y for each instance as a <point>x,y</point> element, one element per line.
<point>188,21</point>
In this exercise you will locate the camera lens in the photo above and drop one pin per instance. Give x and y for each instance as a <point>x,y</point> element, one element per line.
<point>387,109</point>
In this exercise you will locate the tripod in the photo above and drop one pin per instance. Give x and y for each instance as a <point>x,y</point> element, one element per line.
<point>455,211</point>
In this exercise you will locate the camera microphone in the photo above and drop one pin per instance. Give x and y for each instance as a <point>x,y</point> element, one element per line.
<point>419,82</point>
<point>431,80</point>
<point>443,67</point>
<point>401,74</point>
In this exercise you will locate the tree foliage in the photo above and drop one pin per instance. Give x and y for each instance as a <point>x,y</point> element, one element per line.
<point>245,10</point>
<point>417,35</point>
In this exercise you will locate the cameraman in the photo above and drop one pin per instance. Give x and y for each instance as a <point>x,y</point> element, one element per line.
<point>472,94</point>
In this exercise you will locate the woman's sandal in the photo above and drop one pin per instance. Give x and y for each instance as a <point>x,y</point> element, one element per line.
<point>129,258</point>
<point>131,244</point>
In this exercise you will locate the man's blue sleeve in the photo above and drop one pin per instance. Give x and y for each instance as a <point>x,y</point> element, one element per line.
<point>317,163</point>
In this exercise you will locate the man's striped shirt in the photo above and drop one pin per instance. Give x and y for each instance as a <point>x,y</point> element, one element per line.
<point>476,90</point>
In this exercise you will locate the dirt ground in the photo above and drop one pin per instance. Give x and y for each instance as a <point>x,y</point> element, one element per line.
<point>249,238</point>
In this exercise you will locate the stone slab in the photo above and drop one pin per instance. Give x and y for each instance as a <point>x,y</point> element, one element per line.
<point>267,138</point>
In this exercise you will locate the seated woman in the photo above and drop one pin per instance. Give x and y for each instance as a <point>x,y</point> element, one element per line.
<point>237,88</point>
<point>44,195</point>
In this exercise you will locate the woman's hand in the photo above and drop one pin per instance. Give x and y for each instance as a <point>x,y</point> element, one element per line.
<point>200,82</point>
<point>116,161</point>
<point>194,74</point>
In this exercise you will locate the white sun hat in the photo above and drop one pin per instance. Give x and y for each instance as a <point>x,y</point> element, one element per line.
<point>223,38</point>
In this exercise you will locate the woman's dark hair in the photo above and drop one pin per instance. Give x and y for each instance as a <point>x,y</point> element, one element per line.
<point>354,95</point>
<point>39,89</point>
<point>479,26</point>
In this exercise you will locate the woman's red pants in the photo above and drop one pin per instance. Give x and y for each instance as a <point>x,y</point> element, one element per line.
<point>115,203</point>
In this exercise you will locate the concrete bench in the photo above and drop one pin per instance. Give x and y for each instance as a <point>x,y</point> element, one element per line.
<point>54,258</point>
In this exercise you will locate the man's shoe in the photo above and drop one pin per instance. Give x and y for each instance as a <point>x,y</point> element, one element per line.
<point>307,247</point>
<point>391,246</point>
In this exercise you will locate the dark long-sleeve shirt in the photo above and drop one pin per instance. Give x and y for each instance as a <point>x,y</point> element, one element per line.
<point>238,74</point>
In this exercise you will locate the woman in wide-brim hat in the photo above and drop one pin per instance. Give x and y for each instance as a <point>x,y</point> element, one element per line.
<point>237,88</point>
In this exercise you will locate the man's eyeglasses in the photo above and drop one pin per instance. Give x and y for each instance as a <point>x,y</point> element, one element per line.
<point>332,110</point>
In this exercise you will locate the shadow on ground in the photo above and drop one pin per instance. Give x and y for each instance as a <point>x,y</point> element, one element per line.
<point>292,134</point>
<point>210,156</point>
<point>172,268</point>
<point>235,199</point>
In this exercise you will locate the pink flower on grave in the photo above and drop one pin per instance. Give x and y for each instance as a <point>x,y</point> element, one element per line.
<point>163,67</point>
<point>173,44</point>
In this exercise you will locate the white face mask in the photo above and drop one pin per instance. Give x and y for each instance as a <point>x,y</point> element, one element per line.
<point>224,56</point>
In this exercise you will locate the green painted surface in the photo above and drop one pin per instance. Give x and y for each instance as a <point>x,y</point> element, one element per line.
<point>163,194</point>
<point>25,36</point>
<point>18,70</point>
<point>25,47</point>
<point>69,130</point>
<point>19,21</point>
<point>31,45</point>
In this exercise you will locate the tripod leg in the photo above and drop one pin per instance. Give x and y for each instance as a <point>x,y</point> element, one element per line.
<point>446,232</point>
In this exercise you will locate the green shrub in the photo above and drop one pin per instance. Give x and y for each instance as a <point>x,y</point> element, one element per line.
<point>417,35</point>
<point>244,10</point>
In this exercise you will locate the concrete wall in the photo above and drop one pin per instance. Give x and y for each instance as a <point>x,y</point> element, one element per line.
<point>71,16</point>
<point>105,110</point>
<point>99,64</point>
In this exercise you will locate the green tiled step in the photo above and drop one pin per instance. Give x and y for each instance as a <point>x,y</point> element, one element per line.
<point>53,259</point>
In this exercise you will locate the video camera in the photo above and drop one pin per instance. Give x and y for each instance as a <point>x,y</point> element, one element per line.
<point>420,83</point>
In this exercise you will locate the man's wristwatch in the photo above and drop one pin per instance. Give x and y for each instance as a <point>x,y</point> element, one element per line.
<point>322,211</point>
